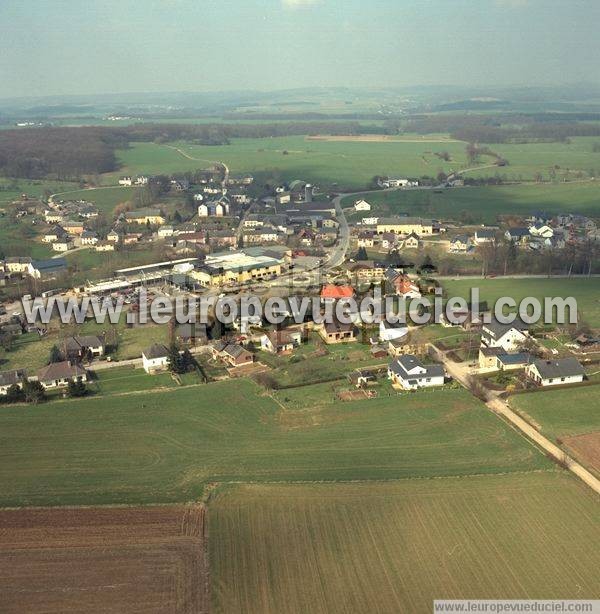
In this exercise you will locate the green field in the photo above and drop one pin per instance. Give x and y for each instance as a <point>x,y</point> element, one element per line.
<point>396,547</point>
<point>11,189</point>
<point>106,198</point>
<point>166,446</point>
<point>585,290</point>
<point>352,164</point>
<point>485,204</point>
<point>561,413</point>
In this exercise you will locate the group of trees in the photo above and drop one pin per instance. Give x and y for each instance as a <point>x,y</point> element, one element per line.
<point>180,362</point>
<point>28,392</point>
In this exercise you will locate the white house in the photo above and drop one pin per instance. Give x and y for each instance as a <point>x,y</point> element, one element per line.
<point>59,374</point>
<point>362,205</point>
<point>391,330</point>
<point>541,230</point>
<point>62,245</point>
<point>506,336</point>
<point>155,358</point>
<point>484,236</point>
<point>555,372</point>
<point>166,231</point>
<point>410,373</point>
<point>11,378</point>
<point>281,341</point>
<point>126,181</point>
<point>369,221</point>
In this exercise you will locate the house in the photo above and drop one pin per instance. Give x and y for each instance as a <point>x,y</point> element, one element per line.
<point>233,354</point>
<point>113,236</point>
<point>513,361</point>
<point>54,234</point>
<point>555,372</point>
<point>488,358</point>
<point>192,334</point>
<point>47,269</point>
<point>369,221</point>
<point>362,377</point>
<point>281,341</point>
<point>366,239</point>
<point>283,198</point>
<point>88,237</point>
<point>410,373</point>
<point>166,231</point>
<point>484,236</point>
<point>331,292</point>
<point>460,244</point>
<point>83,346</point>
<point>104,246</point>
<point>63,245</point>
<point>17,264</point>
<point>392,330</point>
<point>143,217</point>
<point>59,374</point>
<point>405,287</point>
<point>73,228</point>
<point>411,242</point>
<point>126,181</point>
<point>507,336</point>
<point>132,237</point>
<point>541,230</point>
<point>14,377</point>
<point>155,358</point>
<point>337,332</point>
<point>362,205</point>
<point>366,270</point>
<point>389,240</point>
<point>517,235</point>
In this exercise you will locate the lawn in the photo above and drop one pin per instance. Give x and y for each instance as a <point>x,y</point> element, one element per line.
<point>585,291</point>
<point>167,446</point>
<point>485,204</point>
<point>11,189</point>
<point>396,547</point>
<point>127,379</point>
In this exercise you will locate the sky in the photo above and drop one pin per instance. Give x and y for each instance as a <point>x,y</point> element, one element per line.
<point>61,47</point>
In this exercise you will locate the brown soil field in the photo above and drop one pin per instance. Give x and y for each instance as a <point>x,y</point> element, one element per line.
<point>144,559</point>
<point>586,448</point>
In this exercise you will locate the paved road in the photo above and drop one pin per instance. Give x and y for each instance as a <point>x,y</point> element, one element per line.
<point>461,371</point>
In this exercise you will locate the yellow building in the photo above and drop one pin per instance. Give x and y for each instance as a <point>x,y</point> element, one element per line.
<point>145,216</point>
<point>405,225</point>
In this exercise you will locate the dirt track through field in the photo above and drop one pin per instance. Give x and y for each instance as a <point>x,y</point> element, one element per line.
<point>143,559</point>
<point>375,138</point>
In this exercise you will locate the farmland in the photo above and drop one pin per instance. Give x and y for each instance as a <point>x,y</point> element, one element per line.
<point>395,547</point>
<point>165,446</point>
<point>147,559</point>
<point>485,204</point>
<point>352,162</point>
<point>569,416</point>
<point>585,290</point>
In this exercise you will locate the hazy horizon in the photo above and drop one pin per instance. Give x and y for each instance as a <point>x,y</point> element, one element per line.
<point>62,48</point>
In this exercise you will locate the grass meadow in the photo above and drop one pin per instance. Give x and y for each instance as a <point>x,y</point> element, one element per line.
<point>586,291</point>
<point>485,204</point>
<point>166,446</point>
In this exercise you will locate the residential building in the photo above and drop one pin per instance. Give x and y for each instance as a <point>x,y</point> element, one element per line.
<point>59,374</point>
<point>411,242</point>
<point>233,354</point>
<point>507,336</point>
<point>331,292</point>
<point>410,373</point>
<point>555,372</point>
<point>46,269</point>
<point>389,331</point>
<point>281,341</point>
<point>88,237</point>
<point>484,235</point>
<point>362,205</point>
<point>460,244</point>
<point>81,347</point>
<point>155,358</point>
<point>405,226</point>
<point>337,332</point>
<point>15,377</point>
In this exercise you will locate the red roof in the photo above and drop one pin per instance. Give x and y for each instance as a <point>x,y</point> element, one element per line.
<point>332,291</point>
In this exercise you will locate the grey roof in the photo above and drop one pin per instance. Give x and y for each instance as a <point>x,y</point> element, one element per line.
<point>49,265</point>
<point>484,233</point>
<point>562,367</point>
<point>518,232</point>
<point>8,378</point>
<point>497,329</point>
<point>405,363</point>
<point>520,358</point>
<point>157,350</point>
<point>404,221</point>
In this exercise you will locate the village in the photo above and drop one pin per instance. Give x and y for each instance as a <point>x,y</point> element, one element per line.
<point>232,238</point>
